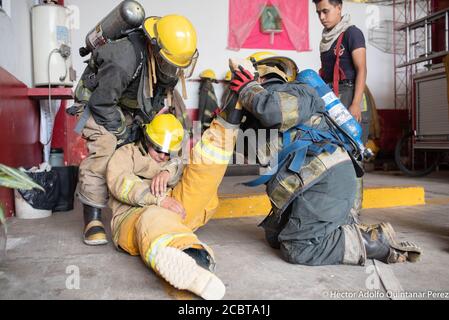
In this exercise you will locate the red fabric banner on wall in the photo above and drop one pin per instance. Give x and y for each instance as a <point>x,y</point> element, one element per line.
<point>244,25</point>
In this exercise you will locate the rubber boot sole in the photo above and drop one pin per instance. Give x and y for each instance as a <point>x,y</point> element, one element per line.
<point>96,239</point>
<point>183,273</point>
<point>94,234</point>
<point>97,242</point>
<point>411,251</point>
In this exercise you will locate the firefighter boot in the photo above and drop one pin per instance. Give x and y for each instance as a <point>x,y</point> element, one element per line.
<point>94,233</point>
<point>201,257</point>
<point>184,273</point>
<point>381,244</point>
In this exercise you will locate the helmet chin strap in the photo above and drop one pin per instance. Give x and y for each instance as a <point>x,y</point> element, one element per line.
<point>152,78</point>
<point>183,84</point>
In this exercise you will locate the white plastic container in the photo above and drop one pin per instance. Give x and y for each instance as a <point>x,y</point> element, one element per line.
<point>25,211</point>
<point>50,29</point>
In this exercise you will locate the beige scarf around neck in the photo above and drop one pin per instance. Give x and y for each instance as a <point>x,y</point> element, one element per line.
<point>329,36</point>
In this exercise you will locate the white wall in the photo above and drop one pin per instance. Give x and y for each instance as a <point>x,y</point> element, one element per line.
<point>15,41</point>
<point>210,18</point>
<point>7,61</point>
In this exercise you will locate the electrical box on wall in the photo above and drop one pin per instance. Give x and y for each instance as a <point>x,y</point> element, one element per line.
<point>52,57</point>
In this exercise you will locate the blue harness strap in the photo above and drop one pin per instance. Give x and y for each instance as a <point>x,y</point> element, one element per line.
<point>311,140</point>
<point>282,158</point>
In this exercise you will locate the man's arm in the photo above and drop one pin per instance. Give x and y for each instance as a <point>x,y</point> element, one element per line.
<point>116,65</point>
<point>359,60</point>
<point>280,109</point>
<point>124,185</point>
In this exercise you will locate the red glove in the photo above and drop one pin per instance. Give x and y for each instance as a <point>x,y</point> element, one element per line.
<point>241,78</point>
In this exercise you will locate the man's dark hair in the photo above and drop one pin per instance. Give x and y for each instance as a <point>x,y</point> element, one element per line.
<point>332,2</point>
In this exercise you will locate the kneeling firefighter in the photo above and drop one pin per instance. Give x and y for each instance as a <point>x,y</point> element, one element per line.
<point>311,177</point>
<point>125,84</point>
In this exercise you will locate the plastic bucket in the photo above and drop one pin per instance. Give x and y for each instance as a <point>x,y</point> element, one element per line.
<point>25,211</point>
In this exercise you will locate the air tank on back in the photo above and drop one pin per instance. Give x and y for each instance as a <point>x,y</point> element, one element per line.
<point>127,16</point>
<point>335,108</point>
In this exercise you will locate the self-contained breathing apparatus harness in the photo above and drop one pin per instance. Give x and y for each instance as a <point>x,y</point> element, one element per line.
<point>310,141</point>
<point>149,106</point>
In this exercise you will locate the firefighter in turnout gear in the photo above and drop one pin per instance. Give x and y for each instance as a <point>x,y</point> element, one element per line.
<point>156,209</point>
<point>207,104</point>
<point>311,179</point>
<point>125,84</point>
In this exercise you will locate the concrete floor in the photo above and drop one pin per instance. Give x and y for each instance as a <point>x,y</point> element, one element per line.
<point>43,253</point>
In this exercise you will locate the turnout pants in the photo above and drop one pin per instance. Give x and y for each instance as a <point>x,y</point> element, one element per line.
<point>310,231</point>
<point>143,231</point>
<point>101,144</point>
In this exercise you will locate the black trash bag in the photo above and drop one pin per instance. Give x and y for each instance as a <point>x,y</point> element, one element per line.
<point>42,200</point>
<point>67,180</point>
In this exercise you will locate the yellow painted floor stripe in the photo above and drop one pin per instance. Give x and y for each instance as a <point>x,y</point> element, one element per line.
<point>386,197</point>
<point>236,206</point>
<point>249,205</point>
<point>437,201</point>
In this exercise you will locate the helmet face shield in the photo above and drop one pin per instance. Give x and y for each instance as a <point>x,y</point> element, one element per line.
<point>165,67</point>
<point>170,70</point>
<point>285,66</point>
<point>151,144</point>
<point>274,62</point>
<point>266,69</point>
<point>188,71</point>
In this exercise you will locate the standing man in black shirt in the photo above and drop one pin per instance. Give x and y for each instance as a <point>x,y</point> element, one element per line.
<point>343,59</point>
<point>343,68</point>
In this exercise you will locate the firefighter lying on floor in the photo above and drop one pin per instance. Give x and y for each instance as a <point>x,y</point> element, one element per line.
<point>313,183</point>
<point>159,223</point>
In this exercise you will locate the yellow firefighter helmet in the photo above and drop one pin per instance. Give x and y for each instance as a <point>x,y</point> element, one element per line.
<point>208,74</point>
<point>165,133</point>
<point>271,63</point>
<point>228,76</point>
<point>176,40</point>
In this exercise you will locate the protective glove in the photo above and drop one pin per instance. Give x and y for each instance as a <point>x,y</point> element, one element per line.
<point>241,79</point>
<point>75,109</point>
<point>232,111</point>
